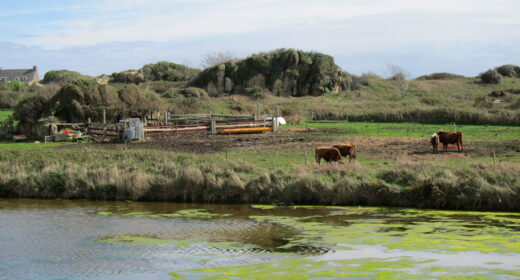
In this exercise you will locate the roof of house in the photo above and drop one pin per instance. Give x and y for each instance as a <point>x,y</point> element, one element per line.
<point>11,74</point>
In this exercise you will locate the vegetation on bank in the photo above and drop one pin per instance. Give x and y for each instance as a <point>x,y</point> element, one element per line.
<point>96,173</point>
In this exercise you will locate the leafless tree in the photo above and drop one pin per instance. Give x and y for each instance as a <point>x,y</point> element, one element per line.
<point>400,75</point>
<point>187,70</point>
<point>213,58</point>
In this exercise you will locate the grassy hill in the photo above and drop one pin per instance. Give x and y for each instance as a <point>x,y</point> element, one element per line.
<point>463,100</point>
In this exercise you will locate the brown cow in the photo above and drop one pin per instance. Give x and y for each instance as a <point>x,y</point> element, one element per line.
<point>434,140</point>
<point>447,137</point>
<point>329,154</point>
<point>347,150</point>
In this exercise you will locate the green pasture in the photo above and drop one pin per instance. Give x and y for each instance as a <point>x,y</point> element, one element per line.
<point>287,159</point>
<point>13,146</point>
<point>4,114</point>
<point>490,132</point>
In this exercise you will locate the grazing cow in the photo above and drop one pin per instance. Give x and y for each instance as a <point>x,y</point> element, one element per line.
<point>329,154</point>
<point>347,150</point>
<point>435,143</point>
<point>447,137</point>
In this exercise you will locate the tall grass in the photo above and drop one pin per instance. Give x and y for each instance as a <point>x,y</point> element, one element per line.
<point>433,116</point>
<point>164,176</point>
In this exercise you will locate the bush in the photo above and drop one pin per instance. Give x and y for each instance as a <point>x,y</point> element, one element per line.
<point>491,77</point>
<point>168,71</point>
<point>497,93</point>
<point>9,99</point>
<point>366,77</point>
<point>509,70</point>
<point>128,77</point>
<point>64,76</point>
<point>15,86</point>
<point>440,76</point>
<point>189,92</point>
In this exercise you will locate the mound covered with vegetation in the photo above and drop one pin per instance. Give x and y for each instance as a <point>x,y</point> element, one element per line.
<point>83,99</point>
<point>440,76</point>
<point>284,72</point>
<point>160,71</point>
<point>64,77</point>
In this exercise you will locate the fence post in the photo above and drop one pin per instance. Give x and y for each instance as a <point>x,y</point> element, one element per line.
<point>213,127</point>
<point>305,154</point>
<point>275,123</point>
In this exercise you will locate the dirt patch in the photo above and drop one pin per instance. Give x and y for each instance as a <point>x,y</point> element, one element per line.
<point>396,148</point>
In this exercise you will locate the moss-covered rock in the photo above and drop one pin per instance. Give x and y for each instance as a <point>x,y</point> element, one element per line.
<point>284,72</point>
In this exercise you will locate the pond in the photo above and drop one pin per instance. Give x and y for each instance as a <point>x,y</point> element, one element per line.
<point>63,239</point>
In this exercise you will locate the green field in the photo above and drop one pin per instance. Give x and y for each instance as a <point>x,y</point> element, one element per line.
<point>15,146</point>
<point>413,129</point>
<point>4,114</point>
<point>393,162</point>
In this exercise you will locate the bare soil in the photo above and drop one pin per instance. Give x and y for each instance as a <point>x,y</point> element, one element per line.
<point>403,148</point>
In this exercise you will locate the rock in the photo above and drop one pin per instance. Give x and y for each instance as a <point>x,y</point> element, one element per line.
<point>283,72</point>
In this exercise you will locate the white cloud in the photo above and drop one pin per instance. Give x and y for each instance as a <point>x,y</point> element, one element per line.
<point>98,36</point>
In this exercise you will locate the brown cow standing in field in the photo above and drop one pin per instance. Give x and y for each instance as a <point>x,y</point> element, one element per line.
<point>329,154</point>
<point>434,140</point>
<point>447,137</point>
<point>347,150</point>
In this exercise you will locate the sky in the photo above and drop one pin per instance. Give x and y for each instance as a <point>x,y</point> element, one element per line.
<point>97,37</point>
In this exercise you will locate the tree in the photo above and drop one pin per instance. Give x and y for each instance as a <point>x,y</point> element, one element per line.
<point>214,58</point>
<point>401,76</point>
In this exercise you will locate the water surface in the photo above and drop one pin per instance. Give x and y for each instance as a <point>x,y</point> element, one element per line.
<point>61,239</point>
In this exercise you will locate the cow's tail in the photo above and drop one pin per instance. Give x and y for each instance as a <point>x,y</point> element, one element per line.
<point>316,156</point>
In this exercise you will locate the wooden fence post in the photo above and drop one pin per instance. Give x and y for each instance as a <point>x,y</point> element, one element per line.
<point>213,127</point>
<point>305,154</point>
<point>275,123</point>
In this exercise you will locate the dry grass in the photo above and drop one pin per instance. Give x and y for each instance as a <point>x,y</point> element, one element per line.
<point>154,176</point>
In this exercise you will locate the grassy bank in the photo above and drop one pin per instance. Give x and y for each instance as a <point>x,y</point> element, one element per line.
<point>96,173</point>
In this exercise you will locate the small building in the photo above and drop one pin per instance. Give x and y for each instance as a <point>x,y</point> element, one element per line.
<point>22,75</point>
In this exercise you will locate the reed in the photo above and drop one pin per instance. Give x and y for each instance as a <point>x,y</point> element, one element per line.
<point>166,176</point>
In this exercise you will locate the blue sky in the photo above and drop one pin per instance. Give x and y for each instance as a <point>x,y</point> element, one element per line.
<point>95,37</point>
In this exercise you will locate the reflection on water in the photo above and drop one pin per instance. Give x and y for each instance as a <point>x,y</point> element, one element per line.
<point>61,239</point>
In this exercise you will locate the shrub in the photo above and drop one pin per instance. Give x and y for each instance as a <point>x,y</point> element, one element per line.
<point>64,76</point>
<point>366,77</point>
<point>497,93</point>
<point>509,70</point>
<point>9,99</point>
<point>491,77</point>
<point>129,77</point>
<point>168,71</point>
<point>189,92</point>
<point>15,86</point>
<point>440,76</point>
